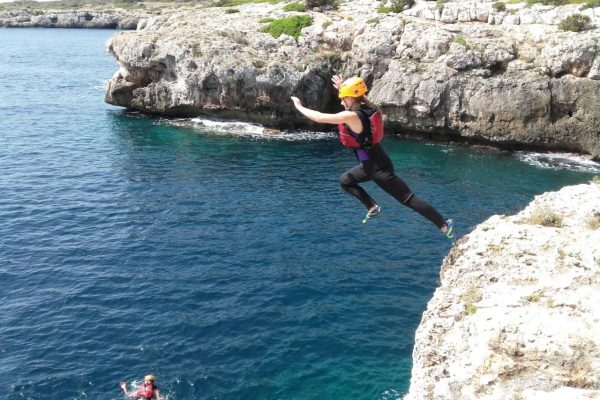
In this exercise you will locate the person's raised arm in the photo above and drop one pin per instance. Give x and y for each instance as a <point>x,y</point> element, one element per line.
<point>344,117</point>
<point>124,387</point>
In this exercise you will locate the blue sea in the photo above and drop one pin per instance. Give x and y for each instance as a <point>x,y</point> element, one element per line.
<point>218,256</point>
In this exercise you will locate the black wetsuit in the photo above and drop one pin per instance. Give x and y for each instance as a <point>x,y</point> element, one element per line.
<point>375,165</point>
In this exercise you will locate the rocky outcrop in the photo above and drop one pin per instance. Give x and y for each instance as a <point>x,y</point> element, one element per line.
<point>463,71</point>
<point>516,315</point>
<point>74,19</point>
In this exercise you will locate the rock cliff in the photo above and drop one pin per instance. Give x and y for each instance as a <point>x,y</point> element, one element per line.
<point>70,19</point>
<point>462,70</point>
<point>516,315</point>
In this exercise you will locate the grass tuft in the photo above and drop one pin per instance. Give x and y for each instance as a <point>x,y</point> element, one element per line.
<point>470,298</point>
<point>593,222</point>
<point>545,219</point>
<point>535,296</point>
<point>462,41</point>
<point>469,309</point>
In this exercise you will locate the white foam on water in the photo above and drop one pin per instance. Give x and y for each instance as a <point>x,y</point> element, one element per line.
<point>243,129</point>
<point>560,161</point>
<point>390,394</point>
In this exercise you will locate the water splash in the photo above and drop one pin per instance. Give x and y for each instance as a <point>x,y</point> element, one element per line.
<point>243,129</point>
<point>560,161</point>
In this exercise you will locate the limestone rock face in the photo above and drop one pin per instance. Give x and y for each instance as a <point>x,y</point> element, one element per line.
<point>218,69</point>
<point>516,315</point>
<point>464,70</point>
<point>75,19</point>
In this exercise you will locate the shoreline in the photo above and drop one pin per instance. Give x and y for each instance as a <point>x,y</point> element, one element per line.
<point>521,92</point>
<point>512,82</point>
<point>422,137</point>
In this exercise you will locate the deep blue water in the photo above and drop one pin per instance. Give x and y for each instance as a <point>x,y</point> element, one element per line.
<point>227,263</point>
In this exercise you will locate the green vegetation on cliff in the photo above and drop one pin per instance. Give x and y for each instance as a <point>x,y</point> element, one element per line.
<point>396,6</point>
<point>574,23</point>
<point>232,3</point>
<point>591,4</point>
<point>586,3</point>
<point>291,26</point>
<point>295,7</point>
<point>499,6</point>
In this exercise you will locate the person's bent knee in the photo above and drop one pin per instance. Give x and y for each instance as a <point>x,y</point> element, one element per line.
<point>345,181</point>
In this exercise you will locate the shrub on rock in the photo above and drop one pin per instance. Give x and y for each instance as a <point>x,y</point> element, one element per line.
<point>321,3</point>
<point>574,23</point>
<point>499,6</point>
<point>291,26</point>
<point>295,7</point>
<point>396,6</point>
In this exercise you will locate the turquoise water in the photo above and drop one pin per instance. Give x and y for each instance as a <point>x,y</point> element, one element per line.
<point>225,261</point>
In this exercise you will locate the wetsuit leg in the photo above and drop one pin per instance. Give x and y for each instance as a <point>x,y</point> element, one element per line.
<point>349,182</point>
<point>385,178</point>
<point>426,210</point>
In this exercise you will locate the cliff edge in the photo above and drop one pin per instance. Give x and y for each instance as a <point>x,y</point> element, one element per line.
<point>88,19</point>
<point>516,316</point>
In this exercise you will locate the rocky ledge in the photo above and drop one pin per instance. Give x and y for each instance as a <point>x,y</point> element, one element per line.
<point>516,315</point>
<point>70,19</point>
<point>463,71</point>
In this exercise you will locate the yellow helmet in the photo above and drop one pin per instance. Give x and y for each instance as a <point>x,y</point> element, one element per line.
<point>149,378</point>
<point>353,87</point>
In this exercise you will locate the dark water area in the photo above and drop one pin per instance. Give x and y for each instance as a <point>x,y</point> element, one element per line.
<point>226,261</point>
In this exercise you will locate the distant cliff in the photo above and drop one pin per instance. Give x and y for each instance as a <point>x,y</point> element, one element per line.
<point>115,19</point>
<point>516,315</point>
<point>462,70</point>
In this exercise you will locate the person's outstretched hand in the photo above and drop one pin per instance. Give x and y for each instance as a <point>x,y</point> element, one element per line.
<point>297,102</point>
<point>337,81</point>
<point>123,385</point>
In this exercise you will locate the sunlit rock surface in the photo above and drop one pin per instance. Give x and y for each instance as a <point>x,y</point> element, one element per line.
<point>462,70</point>
<point>516,315</point>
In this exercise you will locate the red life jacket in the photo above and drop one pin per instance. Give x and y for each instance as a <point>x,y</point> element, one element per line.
<point>145,391</point>
<point>372,129</point>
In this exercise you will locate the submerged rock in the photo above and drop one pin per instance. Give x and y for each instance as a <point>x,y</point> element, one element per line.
<point>516,315</point>
<point>460,76</point>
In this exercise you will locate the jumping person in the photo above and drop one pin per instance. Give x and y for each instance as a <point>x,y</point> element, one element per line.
<point>361,128</point>
<point>146,391</point>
